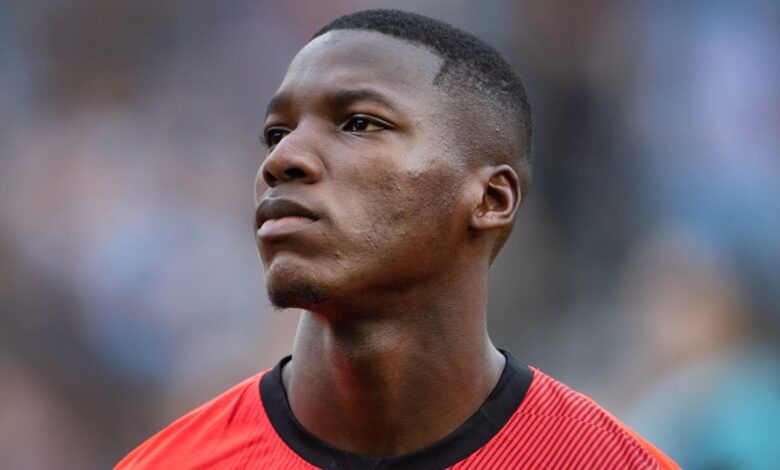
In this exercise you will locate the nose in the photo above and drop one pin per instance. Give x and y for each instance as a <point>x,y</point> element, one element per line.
<point>295,158</point>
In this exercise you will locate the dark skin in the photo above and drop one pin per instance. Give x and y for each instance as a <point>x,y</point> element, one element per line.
<point>390,262</point>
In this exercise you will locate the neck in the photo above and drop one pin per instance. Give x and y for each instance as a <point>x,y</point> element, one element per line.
<point>403,375</point>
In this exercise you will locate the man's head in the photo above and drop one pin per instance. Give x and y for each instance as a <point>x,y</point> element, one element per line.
<point>402,145</point>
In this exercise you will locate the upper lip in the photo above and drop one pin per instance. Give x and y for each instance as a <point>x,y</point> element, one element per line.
<point>276,208</point>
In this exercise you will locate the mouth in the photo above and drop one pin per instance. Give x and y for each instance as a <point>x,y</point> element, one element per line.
<point>278,216</point>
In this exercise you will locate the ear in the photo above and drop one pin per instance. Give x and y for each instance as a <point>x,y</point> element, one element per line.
<point>501,196</point>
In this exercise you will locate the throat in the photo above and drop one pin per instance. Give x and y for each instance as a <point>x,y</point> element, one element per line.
<point>386,392</point>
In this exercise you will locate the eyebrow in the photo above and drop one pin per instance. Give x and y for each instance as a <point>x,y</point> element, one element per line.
<point>337,99</point>
<point>275,102</point>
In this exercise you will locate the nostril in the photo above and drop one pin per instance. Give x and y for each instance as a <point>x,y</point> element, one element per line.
<point>269,178</point>
<point>272,178</point>
<point>294,173</point>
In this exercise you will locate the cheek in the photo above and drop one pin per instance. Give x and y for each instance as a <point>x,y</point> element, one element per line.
<point>409,211</point>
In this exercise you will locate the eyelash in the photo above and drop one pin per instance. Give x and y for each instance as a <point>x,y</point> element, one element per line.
<point>381,125</point>
<point>274,135</point>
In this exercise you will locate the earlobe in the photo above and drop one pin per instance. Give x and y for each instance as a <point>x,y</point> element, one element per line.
<point>500,199</point>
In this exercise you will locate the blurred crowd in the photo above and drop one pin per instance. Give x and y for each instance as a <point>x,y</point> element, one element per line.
<point>642,268</point>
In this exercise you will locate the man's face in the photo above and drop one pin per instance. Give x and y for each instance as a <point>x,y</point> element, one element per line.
<point>359,193</point>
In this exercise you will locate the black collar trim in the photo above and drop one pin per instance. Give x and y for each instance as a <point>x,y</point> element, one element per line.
<point>464,441</point>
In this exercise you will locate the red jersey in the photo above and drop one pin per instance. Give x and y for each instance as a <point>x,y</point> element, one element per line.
<point>529,421</point>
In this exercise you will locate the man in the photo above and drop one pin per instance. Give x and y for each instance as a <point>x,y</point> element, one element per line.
<point>398,153</point>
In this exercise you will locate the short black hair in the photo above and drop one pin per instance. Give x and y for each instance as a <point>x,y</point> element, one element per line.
<point>469,66</point>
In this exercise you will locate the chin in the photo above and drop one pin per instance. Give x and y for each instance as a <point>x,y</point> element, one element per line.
<point>291,288</point>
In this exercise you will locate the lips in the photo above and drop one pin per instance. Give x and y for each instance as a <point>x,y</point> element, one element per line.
<point>276,215</point>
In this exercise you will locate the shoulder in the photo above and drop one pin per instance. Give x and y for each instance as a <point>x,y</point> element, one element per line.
<point>205,432</point>
<point>556,426</point>
<point>585,418</point>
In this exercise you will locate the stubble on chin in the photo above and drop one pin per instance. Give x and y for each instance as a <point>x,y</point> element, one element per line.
<point>296,294</point>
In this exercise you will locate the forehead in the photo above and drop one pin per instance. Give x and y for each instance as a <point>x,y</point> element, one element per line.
<point>352,59</point>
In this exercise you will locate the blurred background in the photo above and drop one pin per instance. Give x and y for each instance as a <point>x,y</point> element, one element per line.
<point>642,270</point>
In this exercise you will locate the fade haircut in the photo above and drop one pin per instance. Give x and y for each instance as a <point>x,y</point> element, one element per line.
<point>471,69</point>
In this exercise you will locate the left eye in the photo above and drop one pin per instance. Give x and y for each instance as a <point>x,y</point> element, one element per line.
<point>362,124</point>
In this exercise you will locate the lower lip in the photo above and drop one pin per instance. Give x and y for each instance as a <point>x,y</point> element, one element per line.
<point>283,226</point>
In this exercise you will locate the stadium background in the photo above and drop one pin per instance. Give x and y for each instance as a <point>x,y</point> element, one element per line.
<point>642,270</point>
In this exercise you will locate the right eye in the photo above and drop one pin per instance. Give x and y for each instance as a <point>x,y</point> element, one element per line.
<point>274,135</point>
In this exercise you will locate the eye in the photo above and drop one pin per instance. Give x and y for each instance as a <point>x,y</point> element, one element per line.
<point>363,124</point>
<point>274,135</point>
